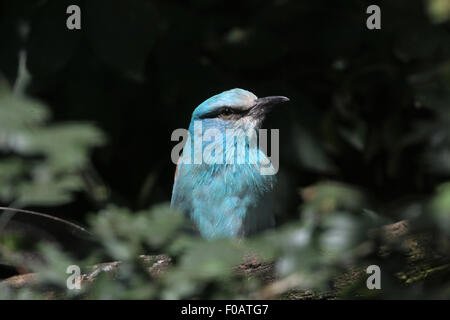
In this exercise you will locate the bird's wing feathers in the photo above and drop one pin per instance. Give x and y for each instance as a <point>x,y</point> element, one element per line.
<point>223,204</point>
<point>176,169</point>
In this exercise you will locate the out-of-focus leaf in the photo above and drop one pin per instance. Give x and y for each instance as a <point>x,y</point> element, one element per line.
<point>341,233</point>
<point>11,171</point>
<point>439,10</point>
<point>440,207</point>
<point>53,270</point>
<point>48,190</point>
<point>65,145</point>
<point>164,224</point>
<point>124,235</point>
<point>331,196</point>
<point>206,261</point>
<point>18,115</point>
<point>57,153</point>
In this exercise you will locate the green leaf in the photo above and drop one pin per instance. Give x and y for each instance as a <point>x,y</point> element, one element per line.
<point>440,208</point>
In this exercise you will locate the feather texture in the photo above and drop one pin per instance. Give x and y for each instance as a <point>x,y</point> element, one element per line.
<point>229,197</point>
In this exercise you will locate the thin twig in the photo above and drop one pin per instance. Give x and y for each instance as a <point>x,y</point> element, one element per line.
<point>44,215</point>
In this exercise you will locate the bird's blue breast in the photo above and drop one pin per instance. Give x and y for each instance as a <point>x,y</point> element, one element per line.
<point>225,200</point>
<point>221,199</point>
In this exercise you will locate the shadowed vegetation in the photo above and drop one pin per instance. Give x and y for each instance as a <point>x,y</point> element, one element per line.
<point>86,119</point>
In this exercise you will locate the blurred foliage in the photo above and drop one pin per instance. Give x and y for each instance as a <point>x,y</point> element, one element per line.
<point>40,163</point>
<point>365,142</point>
<point>439,10</point>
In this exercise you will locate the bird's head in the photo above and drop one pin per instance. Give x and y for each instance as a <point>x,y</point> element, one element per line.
<point>236,108</point>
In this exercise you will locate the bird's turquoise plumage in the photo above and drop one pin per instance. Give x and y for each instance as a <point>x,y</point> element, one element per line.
<point>232,198</point>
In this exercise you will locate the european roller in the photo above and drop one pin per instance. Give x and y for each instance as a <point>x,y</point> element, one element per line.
<point>220,183</point>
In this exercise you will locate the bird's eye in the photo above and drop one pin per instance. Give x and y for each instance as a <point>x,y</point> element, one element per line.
<point>227,111</point>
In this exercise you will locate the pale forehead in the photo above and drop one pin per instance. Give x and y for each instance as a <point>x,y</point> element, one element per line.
<point>235,98</point>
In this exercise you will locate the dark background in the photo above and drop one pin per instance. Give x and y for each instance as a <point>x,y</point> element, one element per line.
<point>365,104</point>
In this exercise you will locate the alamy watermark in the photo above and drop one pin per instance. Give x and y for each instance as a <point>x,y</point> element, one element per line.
<point>73,21</point>
<point>374,280</point>
<point>228,146</point>
<point>73,282</point>
<point>373,22</point>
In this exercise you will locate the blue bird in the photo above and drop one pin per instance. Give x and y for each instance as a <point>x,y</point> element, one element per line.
<point>224,191</point>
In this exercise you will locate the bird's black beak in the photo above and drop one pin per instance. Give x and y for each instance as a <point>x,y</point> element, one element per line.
<point>264,105</point>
